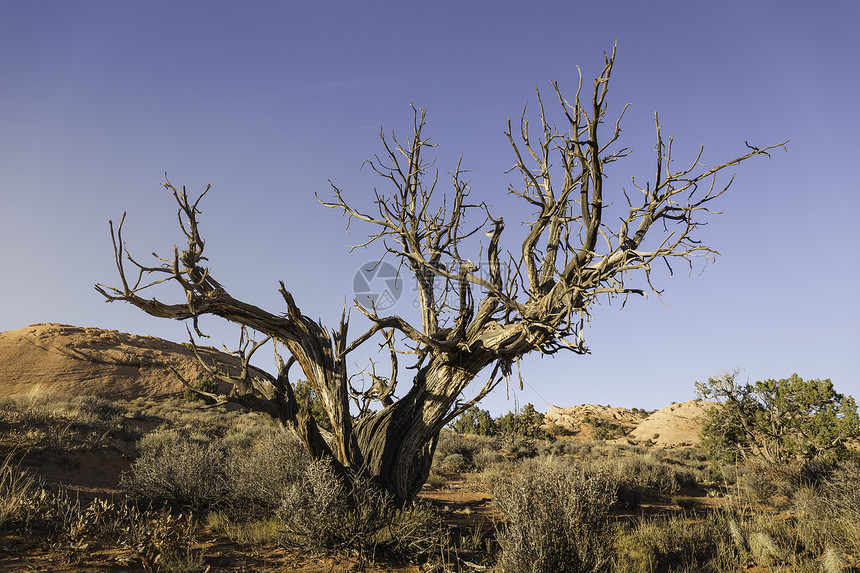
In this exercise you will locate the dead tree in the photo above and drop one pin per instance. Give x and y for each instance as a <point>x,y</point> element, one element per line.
<point>475,314</point>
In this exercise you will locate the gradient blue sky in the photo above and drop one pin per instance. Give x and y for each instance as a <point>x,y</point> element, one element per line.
<point>268,100</point>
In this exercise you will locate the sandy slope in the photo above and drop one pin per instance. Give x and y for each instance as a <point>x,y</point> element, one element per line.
<point>79,360</point>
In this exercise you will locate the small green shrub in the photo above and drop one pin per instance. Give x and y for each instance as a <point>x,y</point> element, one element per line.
<point>436,481</point>
<point>648,473</point>
<point>454,463</point>
<point>603,429</point>
<point>685,502</point>
<point>207,385</point>
<point>450,443</point>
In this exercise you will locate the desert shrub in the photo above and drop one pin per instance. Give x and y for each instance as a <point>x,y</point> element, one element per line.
<point>645,472</point>
<point>685,502</point>
<point>668,543</point>
<point>579,449</point>
<point>454,463</point>
<point>556,430</point>
<point>316,511</point>
<point>320,511</point>
<point>550,448</point>
<point>475,421</point>
<point>451,443</point>
<point>243,474</point>
<point>556,518</point>
<point>436,481</point>
<point>829,515</point>
<point>758,486</point>
<point>166,542</point>
<point>603,429</point>
<point>688,454</point>
<point>207,385</point>
<point>179,471</point>
<point>412,532</point>
<point>41,406</point>
<point>486,458</point>
<point>258,475</point>
<point>253,532</point>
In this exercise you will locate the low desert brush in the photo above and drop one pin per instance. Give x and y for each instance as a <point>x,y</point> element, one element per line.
<point>556,518</point>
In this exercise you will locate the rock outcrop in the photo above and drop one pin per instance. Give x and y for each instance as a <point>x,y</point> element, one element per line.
<point>677,425</point>
<point>73,360</point>
<point>578,419</point>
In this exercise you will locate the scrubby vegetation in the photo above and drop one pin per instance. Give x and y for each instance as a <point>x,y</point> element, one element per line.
<point>778,420</point>
<point>202,476</point>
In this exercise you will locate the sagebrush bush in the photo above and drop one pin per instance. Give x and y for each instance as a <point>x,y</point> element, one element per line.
<point>320,511</point>
<point>486,458</point>
<point>648,472</point>
<point>243,474</point>
<point>258,473</point>
<point>453,443</point>
<point>454,463</point>
<point>828,516</point>
<point>179,471</point>
<point>556,518</point>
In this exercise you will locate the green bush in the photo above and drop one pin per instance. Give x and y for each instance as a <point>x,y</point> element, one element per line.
<point>777,420</point>
<point>454,463</point>
<point>670,544</point>
<point>475,421</point>
<point>526,423</point>
<point>451,443</point>
<point>307,398</point>
<point>603,429</point>
<point>556,519</point>
<point>646,472</point>
<point>486,458</point>
<point>191,393</point>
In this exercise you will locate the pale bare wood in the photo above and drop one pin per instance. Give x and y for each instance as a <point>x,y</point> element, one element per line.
<point>469,319</point>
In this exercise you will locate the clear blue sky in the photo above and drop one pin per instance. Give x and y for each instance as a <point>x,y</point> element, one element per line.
<point>268,100</point>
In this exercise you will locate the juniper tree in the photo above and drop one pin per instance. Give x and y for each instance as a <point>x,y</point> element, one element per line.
<point>480,311</point>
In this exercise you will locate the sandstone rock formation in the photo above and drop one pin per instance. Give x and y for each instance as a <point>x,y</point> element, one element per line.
<point>574,419</point>
<point>77,360</point>
<point>673,426</point>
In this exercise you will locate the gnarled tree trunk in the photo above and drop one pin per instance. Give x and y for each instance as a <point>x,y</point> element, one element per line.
<point>537,299</point>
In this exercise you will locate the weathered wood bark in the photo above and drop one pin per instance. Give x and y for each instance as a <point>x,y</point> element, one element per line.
<point>537,301</point>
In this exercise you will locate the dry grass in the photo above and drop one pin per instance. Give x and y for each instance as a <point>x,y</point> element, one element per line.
<point>17,490</point>
<point>256,487</point>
